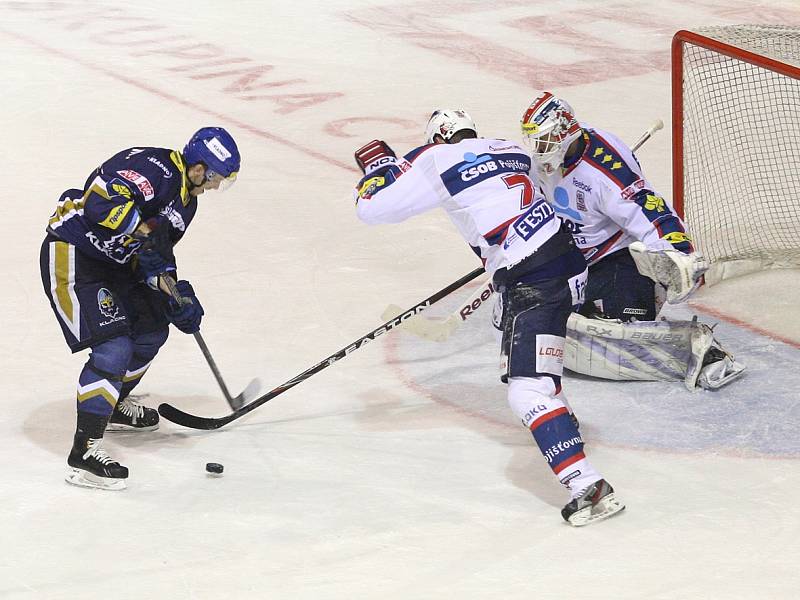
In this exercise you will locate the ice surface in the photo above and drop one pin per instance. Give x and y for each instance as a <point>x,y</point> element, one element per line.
<point>398,472</point>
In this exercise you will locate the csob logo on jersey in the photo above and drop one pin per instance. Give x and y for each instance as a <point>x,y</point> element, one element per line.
<point>476,169</point>
<point>476,166</point>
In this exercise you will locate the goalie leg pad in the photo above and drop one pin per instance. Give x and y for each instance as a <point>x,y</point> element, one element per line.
<point>637,351</point>
<point>649,351</point>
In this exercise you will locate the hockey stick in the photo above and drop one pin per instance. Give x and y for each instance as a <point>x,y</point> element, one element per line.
<point>659,124</point>
<point>176,415</point>
<point>235,402</point>
<point>438,330</point>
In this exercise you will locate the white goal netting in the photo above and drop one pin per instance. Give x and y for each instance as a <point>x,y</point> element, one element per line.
<point>741,148</point>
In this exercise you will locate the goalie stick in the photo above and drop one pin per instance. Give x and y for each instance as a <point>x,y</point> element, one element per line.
<point>180,417</point>
<point>438,330</point>
<point>167,284</point>
<point>659,124</point>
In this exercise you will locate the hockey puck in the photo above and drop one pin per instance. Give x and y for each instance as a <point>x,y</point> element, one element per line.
<point>214,468</point>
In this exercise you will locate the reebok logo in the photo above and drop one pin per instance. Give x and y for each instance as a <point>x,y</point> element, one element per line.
<point>582,186</point>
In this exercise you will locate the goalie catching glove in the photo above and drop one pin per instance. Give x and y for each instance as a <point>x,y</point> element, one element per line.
<point>680,273</point>
<point>374,156</point>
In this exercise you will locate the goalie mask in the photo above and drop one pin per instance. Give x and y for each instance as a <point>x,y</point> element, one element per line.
<point>548,128</point>
<point>446,123</point>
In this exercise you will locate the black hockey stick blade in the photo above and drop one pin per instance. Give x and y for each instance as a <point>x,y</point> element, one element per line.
<point>176,415</point>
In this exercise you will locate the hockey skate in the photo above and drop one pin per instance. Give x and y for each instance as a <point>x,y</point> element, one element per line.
<point>90,466</point>
<point>597,502</point>
<point>129,415</point>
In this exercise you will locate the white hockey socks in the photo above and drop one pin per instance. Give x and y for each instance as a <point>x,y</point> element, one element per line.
<point>534,401</point>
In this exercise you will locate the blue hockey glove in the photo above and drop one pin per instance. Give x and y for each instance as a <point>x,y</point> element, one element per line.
<point>186,315</point>
<point>151,264</point>
<point>155,257</point>
<point>374,156</point>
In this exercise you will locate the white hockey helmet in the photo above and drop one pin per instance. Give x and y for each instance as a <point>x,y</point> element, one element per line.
<point>548,128</point>
<point>446,123</point>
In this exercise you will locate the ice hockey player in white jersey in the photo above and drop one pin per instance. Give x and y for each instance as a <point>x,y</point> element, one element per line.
<point>636,247</point>
<point>483,185</point>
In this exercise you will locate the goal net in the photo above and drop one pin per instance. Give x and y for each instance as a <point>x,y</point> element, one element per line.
<point>736,145</point>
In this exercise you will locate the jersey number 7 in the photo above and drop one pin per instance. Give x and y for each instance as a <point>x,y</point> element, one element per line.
<point>520,180</point>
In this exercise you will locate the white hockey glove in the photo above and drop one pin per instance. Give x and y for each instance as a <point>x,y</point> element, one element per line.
<point>680,273</point>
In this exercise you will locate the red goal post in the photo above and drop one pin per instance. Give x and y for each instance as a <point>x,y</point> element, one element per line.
<point>736,145</point>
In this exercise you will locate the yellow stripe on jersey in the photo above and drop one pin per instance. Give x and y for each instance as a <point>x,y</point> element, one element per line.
<point>100,190</point>
<point>65,208</point>
<point>62,285</point>
<point>117,216</point>
<point>178,160</point>
<point>676,237</point>
<point>64,278</point>
<point>99,388</point>
<point>135,374</point>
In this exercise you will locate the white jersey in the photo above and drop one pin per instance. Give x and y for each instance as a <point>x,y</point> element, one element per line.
<point>607,203</point>
<point>482,184</point>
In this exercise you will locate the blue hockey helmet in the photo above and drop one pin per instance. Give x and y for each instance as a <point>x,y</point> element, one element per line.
<point>216,149</point>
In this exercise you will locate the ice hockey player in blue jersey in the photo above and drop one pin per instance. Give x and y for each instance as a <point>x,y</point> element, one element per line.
<point>107,250</point>
<point>637,249</point>
<point>484,187</point>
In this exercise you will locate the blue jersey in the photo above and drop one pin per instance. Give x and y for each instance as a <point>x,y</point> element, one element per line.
<point>132,186</point>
